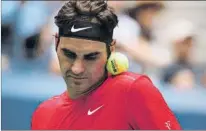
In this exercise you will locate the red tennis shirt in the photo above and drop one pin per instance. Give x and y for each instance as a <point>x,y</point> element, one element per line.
<point>125,102</point>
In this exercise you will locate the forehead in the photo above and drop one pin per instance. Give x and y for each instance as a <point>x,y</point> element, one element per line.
<point>81,45</point>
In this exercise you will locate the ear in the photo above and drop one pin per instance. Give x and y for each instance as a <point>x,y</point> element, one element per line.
<point>112,46</point>
<point>57,39</point>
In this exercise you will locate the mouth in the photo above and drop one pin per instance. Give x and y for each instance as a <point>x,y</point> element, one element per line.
<point>77,78</point>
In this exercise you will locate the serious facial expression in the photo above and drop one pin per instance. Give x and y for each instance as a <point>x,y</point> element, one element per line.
<point>82,63</point>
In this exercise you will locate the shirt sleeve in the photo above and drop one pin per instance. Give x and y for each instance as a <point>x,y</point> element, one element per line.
<point>147,108</point>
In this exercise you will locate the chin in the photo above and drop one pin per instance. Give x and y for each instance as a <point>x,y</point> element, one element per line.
<point>79,86</point>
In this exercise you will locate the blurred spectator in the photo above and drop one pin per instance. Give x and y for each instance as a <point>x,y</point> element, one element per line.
<point>9,11</point>
<point>126,31</point>
<point>47,35</point>
<point>144,13</point>
<point>31,39</point>
<point>180,72</point>
<point>139,47</point>
<point>29,31</point>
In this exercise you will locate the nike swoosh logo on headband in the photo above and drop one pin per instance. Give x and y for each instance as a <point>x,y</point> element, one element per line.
<point>78,29</point>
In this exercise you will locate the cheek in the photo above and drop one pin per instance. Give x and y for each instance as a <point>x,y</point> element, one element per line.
<point>64,63</point>
<point>100,65</point>
<point>98,68</point>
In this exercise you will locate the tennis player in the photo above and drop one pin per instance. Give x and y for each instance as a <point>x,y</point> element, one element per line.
<point>94,99</point>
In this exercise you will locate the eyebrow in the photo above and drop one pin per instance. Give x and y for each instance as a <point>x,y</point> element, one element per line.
<point>92,54</point>
<point>86,55</point>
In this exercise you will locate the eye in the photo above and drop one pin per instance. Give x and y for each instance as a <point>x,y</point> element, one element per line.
<point>92,57</point>
<point>70,55</point>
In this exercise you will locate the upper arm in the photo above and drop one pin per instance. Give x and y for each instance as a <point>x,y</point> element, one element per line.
<point>147,107</point>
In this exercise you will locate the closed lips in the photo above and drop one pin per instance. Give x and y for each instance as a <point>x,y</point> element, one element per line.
<point>77,77</point>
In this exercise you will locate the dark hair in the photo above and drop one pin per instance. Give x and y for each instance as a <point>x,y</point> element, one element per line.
<point>94,11</point>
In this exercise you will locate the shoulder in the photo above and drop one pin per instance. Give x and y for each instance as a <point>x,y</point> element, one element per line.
<point>46,109</point>
<point>143,89</point>
<point>124,80</point>
<point>129,76</point>
<point>133,84</point>
<point>133,81</point>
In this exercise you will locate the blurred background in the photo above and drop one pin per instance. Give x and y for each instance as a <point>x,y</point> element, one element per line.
<point>165,40</point>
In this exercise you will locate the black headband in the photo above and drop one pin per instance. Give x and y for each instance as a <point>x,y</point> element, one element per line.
<point>86,30</point>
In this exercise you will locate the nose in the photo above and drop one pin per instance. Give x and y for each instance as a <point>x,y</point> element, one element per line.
<point>78,67</point>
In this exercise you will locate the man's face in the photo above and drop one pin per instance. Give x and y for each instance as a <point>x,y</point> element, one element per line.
<point>82,63</point>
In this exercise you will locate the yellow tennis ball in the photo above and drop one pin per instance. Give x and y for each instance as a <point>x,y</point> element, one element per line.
<point>117,63</point>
